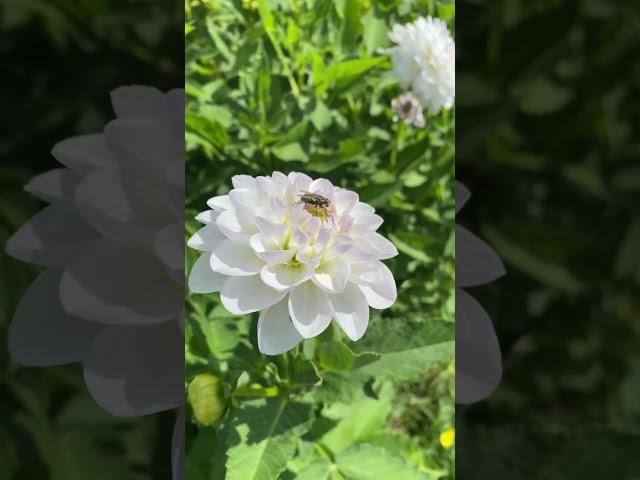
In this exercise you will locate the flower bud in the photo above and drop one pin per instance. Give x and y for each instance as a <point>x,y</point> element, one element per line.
<point>206,397</point>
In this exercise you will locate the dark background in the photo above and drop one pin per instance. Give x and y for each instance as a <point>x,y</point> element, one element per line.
<point>547,120</point>
<point>60,60</point>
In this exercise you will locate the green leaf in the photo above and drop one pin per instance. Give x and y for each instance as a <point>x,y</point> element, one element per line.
<point>409,249</point>
<point>321,116</point>
<point>335,355</point>
<point>408,347</point>
<point>375,32</point>
<point>362,421</point>
<point>541,96</point>
<point>366,462</point>
<point>268,431</point>
<point>348,71</point>
<point>207,129</point>
<point>362,462</point>
<point>546,272</point>
<point>290,152</point>
<point>302,372</point>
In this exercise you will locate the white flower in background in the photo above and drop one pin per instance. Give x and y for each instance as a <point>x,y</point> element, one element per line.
<point>298,250</point>
<point>425,61</point>
<point>407,108</point>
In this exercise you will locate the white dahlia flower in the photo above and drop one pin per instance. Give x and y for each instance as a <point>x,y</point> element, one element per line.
<point>299,251</point>
<point>425,61</point>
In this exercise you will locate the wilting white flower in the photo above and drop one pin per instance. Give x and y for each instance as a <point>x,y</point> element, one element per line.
<point>298,250</point>
<point>425,61</point>
<point>408,108</point>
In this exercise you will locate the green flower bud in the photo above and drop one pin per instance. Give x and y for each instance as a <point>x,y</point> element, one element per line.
<point>206,397</point>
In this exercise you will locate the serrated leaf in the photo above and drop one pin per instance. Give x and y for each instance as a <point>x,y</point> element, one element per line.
<point>362,462</point>
<point>366,462</point>
<point>302,372</point>
<point>268,431</point>
<point>363,421</point>
<point>408,347</point>
<point>335,355</point>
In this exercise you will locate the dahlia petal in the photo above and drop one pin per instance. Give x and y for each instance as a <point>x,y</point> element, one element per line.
<point>376,283</point>
<point>202,278</point>
<point>51,237</point>
<point>229,224</point>
<point>276,256</point>
<point>386,249</point>
<point>139,101</point>
<point>476,262</point>
<point>168,245</point>
<point>235,259</point>
<point>246,219</point>
<point>310,309</point>
<point>176,102</point>
<point>263,243</point>
<point>206,217</point>
<point>134,371</point>
<point>142,143</point>
<point>178,445</point>
<point>207,238</point>
<point>345,201</point>
<point>299,181</point>
<point>117,211</point>
<point>362,207</point>
<point>276,333</point>
<point>478,357</point>
<point>241,295</point>
<point>324,187</point>
<point>84,153</point>
<point>283,277</point>
<point>220,203</point>
<point>363,250</point>
<point>280,178</point>
<point>366,222</point>
<point>111,283</point>
<point>54,186</point>
<point>332,275</point>
<point>42,333</point>
<point>351,311</point>
<point>174,184</point>
<point>270,228</point>
<point>243,198</point>
<point>341,245</point>
<point>243,181</point>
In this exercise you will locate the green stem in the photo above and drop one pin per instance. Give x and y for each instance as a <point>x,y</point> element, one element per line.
<point>324,451</point>
<point>256,392</point>
<point>393,159</point>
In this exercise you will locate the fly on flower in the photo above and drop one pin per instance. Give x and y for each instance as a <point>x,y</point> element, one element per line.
<point>313,201</point>
<point>268,248</point>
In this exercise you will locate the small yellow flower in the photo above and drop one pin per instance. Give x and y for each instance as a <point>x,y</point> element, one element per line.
<point>448,437</point>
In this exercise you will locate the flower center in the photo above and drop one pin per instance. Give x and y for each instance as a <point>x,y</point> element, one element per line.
<point>318,211</point>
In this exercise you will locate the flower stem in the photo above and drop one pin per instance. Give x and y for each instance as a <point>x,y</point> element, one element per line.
<point>256,392</point>
<point>393,159</point>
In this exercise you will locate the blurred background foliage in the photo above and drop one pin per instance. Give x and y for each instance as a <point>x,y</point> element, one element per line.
<point>61,60</point>
<point>302,86</point>
<point>548,102</point>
